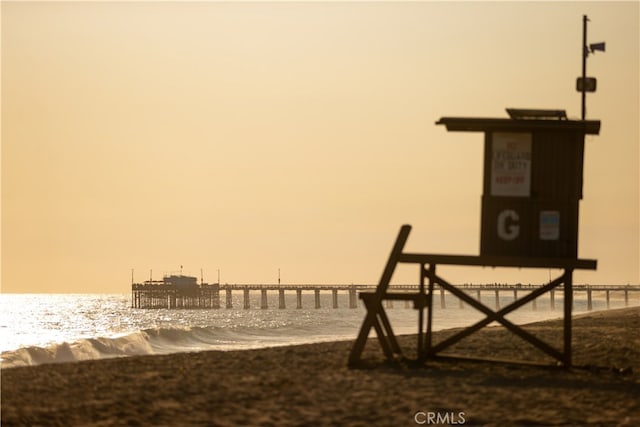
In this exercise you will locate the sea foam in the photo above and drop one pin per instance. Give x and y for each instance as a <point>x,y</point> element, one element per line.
<point>161,341</point>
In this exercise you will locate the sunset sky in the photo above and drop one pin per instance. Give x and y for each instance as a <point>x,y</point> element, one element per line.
<point>300,136</point>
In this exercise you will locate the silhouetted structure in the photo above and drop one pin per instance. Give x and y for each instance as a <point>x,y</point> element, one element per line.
<point>532,181</point>
<point>165,294</point>
<point>184,292</point>
<point>532,186</point>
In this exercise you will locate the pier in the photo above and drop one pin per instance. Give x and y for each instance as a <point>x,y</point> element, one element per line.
<point>182,292</point>
<point>160,294</point>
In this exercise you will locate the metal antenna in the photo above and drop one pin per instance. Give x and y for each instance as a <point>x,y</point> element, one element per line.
<point>585,52</point>
<point>587,84</point>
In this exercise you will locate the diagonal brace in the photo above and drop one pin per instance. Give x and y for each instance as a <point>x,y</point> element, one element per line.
<point>499,317</point>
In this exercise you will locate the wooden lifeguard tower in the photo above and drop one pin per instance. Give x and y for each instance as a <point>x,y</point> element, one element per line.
<point>532,186</point>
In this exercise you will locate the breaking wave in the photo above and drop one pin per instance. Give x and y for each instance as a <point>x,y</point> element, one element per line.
<point>164,341</point>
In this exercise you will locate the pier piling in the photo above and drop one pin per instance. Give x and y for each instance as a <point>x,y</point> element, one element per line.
<point>229,299</point>
<point>216,296</point>
<point>626,297</point>
<point>353,297</point>
<point>299,298</point>
<point>247,303</point>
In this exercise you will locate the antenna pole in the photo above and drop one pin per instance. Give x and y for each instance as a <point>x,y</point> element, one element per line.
<point>585,52</point>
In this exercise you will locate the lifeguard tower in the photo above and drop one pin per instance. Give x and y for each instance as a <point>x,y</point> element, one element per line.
<point>532,187</point>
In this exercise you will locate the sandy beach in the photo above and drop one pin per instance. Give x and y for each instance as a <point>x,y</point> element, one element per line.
<point>312,385</point>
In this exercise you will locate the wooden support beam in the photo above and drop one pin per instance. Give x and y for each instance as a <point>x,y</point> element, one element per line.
<point>376,317</point>
<point>371,319</point>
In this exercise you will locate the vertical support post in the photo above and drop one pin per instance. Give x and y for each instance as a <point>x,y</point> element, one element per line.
<point>589,300</point>
<point>607,299</point>
<point>585,52</point>
<point>479,296</point>
<point>317,292</point>
<point>422,347</point>
<point>299,298</point>
<point>552,294</point>
<point>264,304</point>
<point>247,303</point>
<point>626,297</point>
<point>281,303</point>
<point>353,297</point>
<point>334,293</point>
<point>443,304</point>
<point>568,306</point>
<point>229,298</point>
<point>216,296</point>
<point>497,299</point>
<point>432,275</point>
<point>515,294</point>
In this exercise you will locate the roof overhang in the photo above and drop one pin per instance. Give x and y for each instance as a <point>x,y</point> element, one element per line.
<point>477,124</point>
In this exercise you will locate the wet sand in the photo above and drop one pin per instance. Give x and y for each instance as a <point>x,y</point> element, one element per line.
<point>311,384</point>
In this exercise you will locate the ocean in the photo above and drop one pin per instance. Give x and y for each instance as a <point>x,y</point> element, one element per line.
<point>55,328</point>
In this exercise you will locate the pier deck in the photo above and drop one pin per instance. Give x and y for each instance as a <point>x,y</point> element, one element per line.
<point>159,294</point>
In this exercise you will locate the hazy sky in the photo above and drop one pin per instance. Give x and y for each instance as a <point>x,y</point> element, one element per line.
<point>248,137</point>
